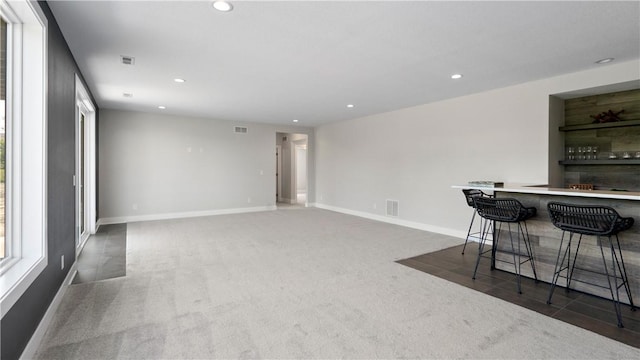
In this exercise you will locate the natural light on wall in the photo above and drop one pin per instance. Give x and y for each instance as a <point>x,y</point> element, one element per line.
<point>23,149</point>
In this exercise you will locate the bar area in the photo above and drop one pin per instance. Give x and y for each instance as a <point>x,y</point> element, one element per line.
<point>594,166</point>
<point>545,237</point>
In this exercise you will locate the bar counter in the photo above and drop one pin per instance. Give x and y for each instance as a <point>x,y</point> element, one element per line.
<point>545,237</point>
<point>545,190</point>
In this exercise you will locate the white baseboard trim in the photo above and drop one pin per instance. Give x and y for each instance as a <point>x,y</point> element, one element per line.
<point>395,221</point>
<point>29,351</point>
<point>188,214</point>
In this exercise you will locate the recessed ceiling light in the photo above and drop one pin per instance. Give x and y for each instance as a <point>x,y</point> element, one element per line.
<point>127,94</point>
<point>178,80</point>
<point>162,107</point>
<point>604,61</point>
<point>222,6</point>
<point>456,76</point>
<point>350,105</point>
<point>295,120</point>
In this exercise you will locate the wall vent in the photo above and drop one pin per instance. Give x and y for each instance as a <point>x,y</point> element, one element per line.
<point>393,207</point>
<point>127,60</point>
<point>240,129</point>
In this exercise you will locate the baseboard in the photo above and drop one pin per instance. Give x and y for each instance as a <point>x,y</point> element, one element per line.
<point>189,214</point>
<point>386,219</point>
<point>395,221</point>
<point>30,350</point>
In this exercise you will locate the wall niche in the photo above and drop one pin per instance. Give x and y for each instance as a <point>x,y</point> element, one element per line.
<point>605,154</point>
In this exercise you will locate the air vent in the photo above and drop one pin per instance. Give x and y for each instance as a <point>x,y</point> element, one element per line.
<point>127,60</point>
<point>240,130</point>
<point>127,95</point>
<point>393,207</point>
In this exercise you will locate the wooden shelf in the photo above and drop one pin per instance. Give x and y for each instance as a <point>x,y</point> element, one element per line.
<point>601,162</point>
<point>600,126</point>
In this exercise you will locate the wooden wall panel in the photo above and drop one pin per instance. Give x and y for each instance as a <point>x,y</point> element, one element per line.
<point>577,110</point>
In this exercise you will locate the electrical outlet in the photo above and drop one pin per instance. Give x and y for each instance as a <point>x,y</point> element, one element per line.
<point>249,200</point>
<point>134,206</point>
<point>375,206</point>
<point>62,262</point>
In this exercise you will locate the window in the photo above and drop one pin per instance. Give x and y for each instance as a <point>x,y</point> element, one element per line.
<point>23,168</point>
<point>3,116</point>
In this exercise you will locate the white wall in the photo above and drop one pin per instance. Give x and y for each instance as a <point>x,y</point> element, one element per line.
<point>154,166</point>
<point>414,155</point>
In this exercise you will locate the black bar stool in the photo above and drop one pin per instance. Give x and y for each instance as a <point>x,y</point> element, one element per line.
<point>509,211</point>
<point>599,221</point>
<point>470,195</point>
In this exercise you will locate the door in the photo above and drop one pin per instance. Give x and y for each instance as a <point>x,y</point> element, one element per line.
<point>81,176</point>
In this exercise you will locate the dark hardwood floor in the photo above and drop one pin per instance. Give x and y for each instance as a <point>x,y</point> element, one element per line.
<point>586,311</point>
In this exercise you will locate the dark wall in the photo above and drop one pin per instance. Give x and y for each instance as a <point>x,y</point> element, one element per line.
<point>19,324</point>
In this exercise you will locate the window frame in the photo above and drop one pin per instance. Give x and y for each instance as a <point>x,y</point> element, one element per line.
<point>7,201</point>
<point>26,144</point>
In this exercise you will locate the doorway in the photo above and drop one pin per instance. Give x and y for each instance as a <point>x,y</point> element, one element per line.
<point>291,170</point>
<point>279,197</point>
<point>84,178</point>
<point>301,172</point>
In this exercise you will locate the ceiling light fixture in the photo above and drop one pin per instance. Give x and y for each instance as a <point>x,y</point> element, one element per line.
<point>178,80</point>
<point>162,107</point>
<point>456,76</point>
<point>222,6</point>
<point>295,120</point>
<point>604,61</point>
<point>350,106</point>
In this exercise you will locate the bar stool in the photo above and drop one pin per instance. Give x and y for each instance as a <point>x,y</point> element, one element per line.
<point>509,211</point>
<point>470,195</point>
<point>599,221</point>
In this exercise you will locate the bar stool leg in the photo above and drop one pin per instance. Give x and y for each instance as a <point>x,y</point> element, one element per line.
<point>494,248</point>
<point>516,263</point>
<point>573,265</point>
<point>469,231</point>
<point>623,272</point>
<point>615,282</point>
<point>483,239</point>
<point>614,297</point>
<point>486,227</point>
<point>529,248</point>
<point>558,267</point>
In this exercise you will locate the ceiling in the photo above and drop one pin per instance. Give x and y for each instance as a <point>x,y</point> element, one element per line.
<point>276,61</point>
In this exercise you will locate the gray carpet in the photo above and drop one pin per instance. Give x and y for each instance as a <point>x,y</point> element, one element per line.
<point>297,284</point>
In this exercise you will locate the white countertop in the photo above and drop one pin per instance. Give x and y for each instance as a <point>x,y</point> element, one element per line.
<point>545,190</point>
